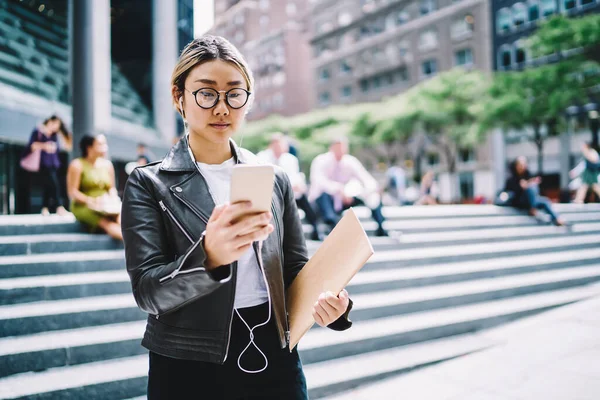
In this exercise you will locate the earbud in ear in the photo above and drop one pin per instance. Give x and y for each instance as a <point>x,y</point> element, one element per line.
<point>181,107</point>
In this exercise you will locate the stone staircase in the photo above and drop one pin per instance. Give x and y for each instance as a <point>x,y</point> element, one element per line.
<point>70,328</point>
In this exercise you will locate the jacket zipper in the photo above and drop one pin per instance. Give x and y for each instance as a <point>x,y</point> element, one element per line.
<point>172,216</point>
<point>280,245</point>
<point>234,271</point>
<point>187,235</point>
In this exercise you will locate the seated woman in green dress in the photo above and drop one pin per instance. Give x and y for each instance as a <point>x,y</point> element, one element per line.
<point>91,188</point>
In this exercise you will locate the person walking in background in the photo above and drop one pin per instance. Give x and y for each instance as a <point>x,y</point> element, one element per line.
<point>278,154</point>
<point>396,182</point>
<point>428,190</point>
<point>339,181</point>
<point>45,139</point>
<point>143,152</point>
<point>91,188</point>
<point>523,191</point>
<point>588,171</point>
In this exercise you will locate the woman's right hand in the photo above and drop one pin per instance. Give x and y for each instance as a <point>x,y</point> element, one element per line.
<point>230,232</point>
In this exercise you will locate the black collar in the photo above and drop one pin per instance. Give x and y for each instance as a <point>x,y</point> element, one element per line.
<point>179,160</point>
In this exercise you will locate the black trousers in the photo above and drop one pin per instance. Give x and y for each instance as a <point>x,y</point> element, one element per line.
<point>176,379</point>
<point>51,187</point>
<point>311,216</point>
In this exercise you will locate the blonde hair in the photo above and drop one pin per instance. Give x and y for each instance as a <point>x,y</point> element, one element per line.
<point>204,49</point>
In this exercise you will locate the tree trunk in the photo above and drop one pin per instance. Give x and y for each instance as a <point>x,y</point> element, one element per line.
<point>454,184</point>
<point>539,142</point>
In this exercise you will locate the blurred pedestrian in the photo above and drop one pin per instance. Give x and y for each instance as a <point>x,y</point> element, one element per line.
<point>396,182</point>
<point>42,156</point>
<point>588,173</point>
<point>278,154</point>
<point>522,191</point>
<point>91,188</point>
<point>143,151</point>
<point>339,181</point>
<point>428,190</point>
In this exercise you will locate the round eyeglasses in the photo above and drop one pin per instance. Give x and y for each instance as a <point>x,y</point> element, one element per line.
<point>207,98</point>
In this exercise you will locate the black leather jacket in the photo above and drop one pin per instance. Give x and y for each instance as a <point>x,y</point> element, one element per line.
<point>166,206</point>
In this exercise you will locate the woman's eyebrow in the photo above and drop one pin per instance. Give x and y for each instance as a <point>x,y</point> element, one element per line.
<point>211,82</point>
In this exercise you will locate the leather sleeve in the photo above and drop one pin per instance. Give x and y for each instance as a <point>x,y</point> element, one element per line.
<point>146,250</point>
<point>295,252</point>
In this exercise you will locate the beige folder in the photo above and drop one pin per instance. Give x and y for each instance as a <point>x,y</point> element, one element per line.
<point>335,263</point>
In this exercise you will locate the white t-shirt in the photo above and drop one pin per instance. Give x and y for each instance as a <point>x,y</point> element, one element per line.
<point>251,289</point>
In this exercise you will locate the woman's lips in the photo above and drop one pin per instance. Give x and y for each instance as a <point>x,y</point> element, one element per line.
<point>220,126</point>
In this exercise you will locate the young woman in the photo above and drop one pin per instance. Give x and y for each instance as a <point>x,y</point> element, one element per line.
<point>91,184</point>
<point>211,276</point>
<point>526,193</point>
<point>588,174</point>
<point>45,137</point>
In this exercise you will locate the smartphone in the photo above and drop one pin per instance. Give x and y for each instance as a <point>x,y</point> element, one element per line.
<point>253,183</point>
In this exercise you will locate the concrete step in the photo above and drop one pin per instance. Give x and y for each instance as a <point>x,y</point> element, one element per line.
<point>126,377</point>
<point>480,251</point>
<point>116,281</point>
<point>41,351</point>
<point>330,377</point>
<point>55,243</point>
<point>467,210</point>
<point>384,333</point>
<point>50,264</point>
<point>373,280</point>
<point>416,299</point>
<point>74,346</point>
<point>38,224</point>
<point>23,319</point>
<point>64,286</point>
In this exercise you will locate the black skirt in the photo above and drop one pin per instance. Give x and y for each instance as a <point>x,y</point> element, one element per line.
<point>171,378</point>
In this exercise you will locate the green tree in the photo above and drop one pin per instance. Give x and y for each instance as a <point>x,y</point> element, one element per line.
<point>568,37</point>
<point>448,108</point>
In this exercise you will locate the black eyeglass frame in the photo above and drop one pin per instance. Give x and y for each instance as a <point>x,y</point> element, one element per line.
<point>195,92</point>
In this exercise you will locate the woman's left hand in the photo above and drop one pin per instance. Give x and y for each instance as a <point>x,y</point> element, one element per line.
<point>330,307</point>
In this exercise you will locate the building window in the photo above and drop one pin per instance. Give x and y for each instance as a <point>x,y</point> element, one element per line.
<point>466,155</point>
<point>291,9</point>
<point>463,57</point>
<point>462,27</point>
<point>345,67</point>
<point>344,19</point>
<point>364,85</point>
<point>504,57</point>
<point>346,91</point>
<point>520,54</point>
<point>376,82</point>
<point>239,19</point>
<point>428,40</point>
<point>325,75</point>
<point>519,14</point>
<point>428,6</point>
<point>467,185</point>
<point>548,7</point>
<point>401,17</point>
<point>534,10</point>
<point>503,20</point>
<point>433,159</point>
<point>569,4</point>
<point>587,2</point>
<point>403,48</point>
<point>264,21</point>
<point>402,74</point>
<point>429,68</point>
<point>324,98</point>
<point>278,101</point>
